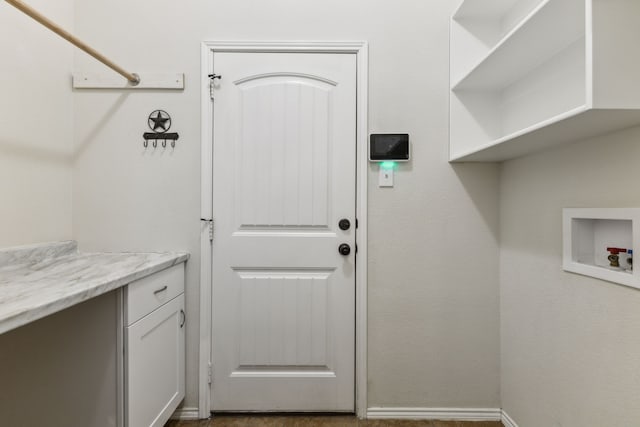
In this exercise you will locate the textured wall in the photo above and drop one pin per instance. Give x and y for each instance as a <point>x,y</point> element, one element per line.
<point>36,126</point>
<point>433,292</point>
<point>569,343</point>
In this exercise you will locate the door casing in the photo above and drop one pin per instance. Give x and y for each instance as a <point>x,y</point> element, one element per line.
<point>358,48</point>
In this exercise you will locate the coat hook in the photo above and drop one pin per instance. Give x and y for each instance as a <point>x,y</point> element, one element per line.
<point>155,143</point>
<point>145,143</point>
<point>164,143</point>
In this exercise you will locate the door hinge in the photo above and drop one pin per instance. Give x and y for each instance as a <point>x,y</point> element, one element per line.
<point>210,225</point>
<point>213,78</point>
<point>210,373</point>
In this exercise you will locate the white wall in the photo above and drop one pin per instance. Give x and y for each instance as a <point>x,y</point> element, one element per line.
<point>36,127</point>
<point>433,298</point>
<point>569,343</point>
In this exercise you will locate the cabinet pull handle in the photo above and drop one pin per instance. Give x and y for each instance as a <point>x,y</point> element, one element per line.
<point>184,318</point>
<point>160,290</point>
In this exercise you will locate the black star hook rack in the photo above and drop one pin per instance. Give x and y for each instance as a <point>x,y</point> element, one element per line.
<point>159,122</point>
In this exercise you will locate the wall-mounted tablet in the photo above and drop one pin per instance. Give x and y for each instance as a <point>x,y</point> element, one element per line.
<point>389,147</point>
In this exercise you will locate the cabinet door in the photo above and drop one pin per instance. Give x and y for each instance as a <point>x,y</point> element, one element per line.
<point>155,367</point>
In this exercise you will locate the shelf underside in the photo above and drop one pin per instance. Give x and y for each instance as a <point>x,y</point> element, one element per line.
<point>582,125</point>
<point>477,9</point>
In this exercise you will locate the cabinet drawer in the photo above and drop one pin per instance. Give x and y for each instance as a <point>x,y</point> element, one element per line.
<point>145,295</point>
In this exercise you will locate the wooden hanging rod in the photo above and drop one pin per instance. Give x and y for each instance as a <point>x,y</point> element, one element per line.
<point>133,78</point>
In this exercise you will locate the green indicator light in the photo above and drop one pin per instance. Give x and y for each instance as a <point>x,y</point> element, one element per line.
<point>388,165</point>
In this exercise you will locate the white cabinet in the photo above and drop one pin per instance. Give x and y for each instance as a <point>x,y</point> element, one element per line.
<point>529,74</point>
<point>154,364</point>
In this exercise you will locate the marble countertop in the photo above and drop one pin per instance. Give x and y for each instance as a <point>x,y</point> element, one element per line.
<point>39,280</point>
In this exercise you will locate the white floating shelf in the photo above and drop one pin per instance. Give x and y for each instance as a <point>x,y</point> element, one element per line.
<point>527,46</point>
<point>531,74</point>
<point>574,125</point>
<point>171,81</point>
<point>588,232</point>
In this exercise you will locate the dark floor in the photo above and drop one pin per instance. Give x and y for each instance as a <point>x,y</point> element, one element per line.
<point>319,421</point>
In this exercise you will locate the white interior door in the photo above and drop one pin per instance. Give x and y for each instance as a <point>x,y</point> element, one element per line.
<point>284,176</point>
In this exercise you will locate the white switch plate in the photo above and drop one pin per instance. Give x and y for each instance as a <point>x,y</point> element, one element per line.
<point>385,179</point>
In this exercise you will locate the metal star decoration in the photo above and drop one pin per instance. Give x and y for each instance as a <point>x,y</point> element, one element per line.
<point>159,121</point>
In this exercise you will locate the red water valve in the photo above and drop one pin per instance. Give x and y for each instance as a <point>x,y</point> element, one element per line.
<point>613,256</point>
<point>616,251</point>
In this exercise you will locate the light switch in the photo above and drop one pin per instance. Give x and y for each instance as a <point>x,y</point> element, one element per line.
<point>385,179</point>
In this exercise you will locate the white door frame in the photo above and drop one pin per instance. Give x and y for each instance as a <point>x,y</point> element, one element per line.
<point>360,49</point>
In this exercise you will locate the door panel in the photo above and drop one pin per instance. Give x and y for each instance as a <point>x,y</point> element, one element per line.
<point>284,175</point>
<point>282,164</point>
<point>283,320</point>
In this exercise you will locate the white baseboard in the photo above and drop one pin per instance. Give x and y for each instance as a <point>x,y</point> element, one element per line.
<point>186,414</point>
<point>507,421</point>
<point>453,414</point>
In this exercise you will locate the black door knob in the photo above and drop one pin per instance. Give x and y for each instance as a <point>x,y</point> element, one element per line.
<point>344,249</point>
<point>344,224</point>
